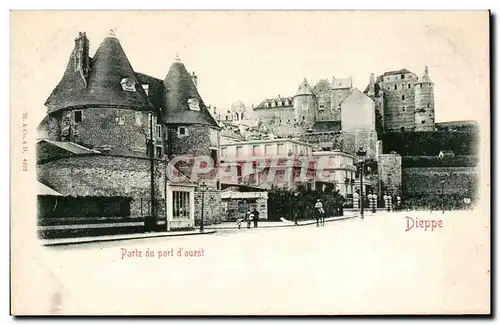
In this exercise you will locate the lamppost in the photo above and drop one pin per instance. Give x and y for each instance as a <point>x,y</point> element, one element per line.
<point>296,194</point>
<point>442,195</point>
<point>202,188</point>
<point>361,154</point>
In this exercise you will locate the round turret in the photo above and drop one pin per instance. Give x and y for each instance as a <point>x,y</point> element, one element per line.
<point>304,103</point>
<point>424,103</point>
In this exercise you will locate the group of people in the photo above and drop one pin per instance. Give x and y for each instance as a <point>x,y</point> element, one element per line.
<point>250,215</point>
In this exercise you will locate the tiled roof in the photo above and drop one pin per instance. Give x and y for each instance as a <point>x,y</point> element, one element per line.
<point>276,102</point>
<point>43,189</point>
<point>108,68</point>
<point>71,147</point>
<point>304,88</point>
<point>156,89</point>
<point>402,71</point>
<point>179,88</point>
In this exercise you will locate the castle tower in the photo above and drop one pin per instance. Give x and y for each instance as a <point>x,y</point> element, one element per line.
<point>424,103</point>
<point>98,101</point>
<point>304,103</point>
<point>399,100</point>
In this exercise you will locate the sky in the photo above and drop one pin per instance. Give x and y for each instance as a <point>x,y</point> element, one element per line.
<point>251,55</point>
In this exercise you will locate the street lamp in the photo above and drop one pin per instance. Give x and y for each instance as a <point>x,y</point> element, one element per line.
<point>361,154</point>
<point>442,195</point>
<point>296,194</point>
<point>203,189</point>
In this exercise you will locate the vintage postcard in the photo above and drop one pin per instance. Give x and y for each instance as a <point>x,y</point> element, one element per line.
<point>250,162</point>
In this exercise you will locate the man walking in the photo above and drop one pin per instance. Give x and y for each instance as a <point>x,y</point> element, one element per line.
<point>255,217</point>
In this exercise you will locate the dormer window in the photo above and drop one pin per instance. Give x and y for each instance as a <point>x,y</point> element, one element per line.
<point>193,104</point>
<point>128,84</point>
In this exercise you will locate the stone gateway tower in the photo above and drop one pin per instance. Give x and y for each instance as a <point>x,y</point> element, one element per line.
<point>424,103</point>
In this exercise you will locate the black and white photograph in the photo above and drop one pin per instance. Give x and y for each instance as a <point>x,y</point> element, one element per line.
<point>250,162</point>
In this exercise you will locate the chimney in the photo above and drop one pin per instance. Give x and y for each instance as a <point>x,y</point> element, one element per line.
<point>371,86</point>
<point>82,60</point>
<point>194,77</point>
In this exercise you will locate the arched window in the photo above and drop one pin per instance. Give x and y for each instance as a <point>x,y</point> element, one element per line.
<point>402,129</point>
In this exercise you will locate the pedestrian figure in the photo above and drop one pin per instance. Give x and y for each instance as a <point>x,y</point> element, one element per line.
<point>319,212</point>
<point>255,218</point>
<point>249,217</point>
<point>238,222</point>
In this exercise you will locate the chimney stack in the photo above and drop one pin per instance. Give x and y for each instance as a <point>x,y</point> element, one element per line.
<point>371,86</point>
<point>194,77</point>
<point>82,59</point>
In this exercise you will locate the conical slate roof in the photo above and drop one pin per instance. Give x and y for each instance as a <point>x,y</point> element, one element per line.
<point>179,89</point>
<point>107,69</point>
<point>304,88</point>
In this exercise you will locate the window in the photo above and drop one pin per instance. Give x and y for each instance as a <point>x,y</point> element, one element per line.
<point>78,116</point>
<point>241,115</point>
<point>255,150</point>
<point>239,151</point>
<point>193,104</point>
<point>420,85</point>
<point>404,109</point>
<point>321,107</point>
<point>120,120</point>
<point>181,204</point>
<point>281,149</point>
<point>214,156</point>
<point>409,86</point>
<point>128,84</point>
<point>303,117</point>
<point>402,97</point>
<point>159,152</point>
<point>182,131</point>
<point>402,76</point>
<point>146,89</point>
<point>423,122</point>
<point>267,149</point>
<point>223,152</point>
<point>138,118</point>
<point>158,131</point>
<point>395,87</point>
<point>428,105</point>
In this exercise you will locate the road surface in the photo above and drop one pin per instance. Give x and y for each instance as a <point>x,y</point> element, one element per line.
<point>351,266</point>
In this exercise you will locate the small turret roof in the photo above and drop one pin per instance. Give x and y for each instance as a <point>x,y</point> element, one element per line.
<point>108,68</point>
<point>179,89</point>
<point>425,77</point>
<point>304,89</point>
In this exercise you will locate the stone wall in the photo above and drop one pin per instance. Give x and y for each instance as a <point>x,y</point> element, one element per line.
<point>101,175</point>
<point>212,206</point>
<point>195,143</point>
<point>123,131</point>
<point>427,180</point>
<point>390,172</point>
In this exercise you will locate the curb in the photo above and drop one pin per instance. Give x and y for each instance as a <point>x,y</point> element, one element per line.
<point>54,242</point>
<point>282,226</point>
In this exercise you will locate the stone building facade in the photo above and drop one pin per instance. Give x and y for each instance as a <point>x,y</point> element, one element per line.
<point>110,130</point>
